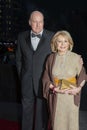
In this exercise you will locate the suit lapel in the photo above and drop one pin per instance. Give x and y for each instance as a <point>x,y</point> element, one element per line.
<point>28,41</point>
<point>41,42</point>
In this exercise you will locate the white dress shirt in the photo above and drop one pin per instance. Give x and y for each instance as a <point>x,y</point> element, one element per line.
<point>35,41</point>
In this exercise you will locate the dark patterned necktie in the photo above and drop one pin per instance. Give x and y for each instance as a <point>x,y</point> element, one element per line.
<point>36,35</point>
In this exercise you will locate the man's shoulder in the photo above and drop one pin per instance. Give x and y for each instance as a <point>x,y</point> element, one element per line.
<point>48,32</point>
<point>24,33</point>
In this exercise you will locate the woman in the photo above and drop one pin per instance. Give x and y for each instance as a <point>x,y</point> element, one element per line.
<point>63,79</point>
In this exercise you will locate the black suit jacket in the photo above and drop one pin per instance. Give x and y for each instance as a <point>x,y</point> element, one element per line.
<point>30,64</point>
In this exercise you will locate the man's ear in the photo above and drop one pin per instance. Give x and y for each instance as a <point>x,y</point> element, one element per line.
<point>29,22</point>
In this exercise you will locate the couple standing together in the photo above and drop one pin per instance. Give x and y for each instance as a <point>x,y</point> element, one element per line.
<point>42,56</point>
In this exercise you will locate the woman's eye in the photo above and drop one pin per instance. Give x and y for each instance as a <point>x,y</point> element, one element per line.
<point>65,41</point>
<point>59,41</point>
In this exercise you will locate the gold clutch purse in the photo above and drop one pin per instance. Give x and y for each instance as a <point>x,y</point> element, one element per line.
<point>64,83</point>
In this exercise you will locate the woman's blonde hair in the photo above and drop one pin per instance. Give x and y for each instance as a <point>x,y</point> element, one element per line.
<point>55,38</point>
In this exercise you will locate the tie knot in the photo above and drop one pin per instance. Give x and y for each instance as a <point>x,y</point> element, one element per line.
<point>36,35</point>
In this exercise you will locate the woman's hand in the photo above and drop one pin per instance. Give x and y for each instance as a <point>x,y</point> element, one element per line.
<point>58,90</point>
<point>75,90</point>
<point>51,86</point>
<point>55,89</point>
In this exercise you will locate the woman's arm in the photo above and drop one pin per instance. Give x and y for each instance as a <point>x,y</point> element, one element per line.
<point>81,79</point>
<point>46,79</point>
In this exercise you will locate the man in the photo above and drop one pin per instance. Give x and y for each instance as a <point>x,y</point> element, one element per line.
<point>32,49</point>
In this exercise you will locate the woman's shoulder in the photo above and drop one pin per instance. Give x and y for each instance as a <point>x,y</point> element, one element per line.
<point>73,54</point>
<point>51,55</point>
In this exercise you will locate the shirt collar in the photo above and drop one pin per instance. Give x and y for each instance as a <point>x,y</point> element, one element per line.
<point>38,33</point>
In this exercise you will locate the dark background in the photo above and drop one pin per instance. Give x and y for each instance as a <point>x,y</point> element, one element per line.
<point>70,15</point>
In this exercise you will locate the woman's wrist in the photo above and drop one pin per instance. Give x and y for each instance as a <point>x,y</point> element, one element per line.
<point>53,89</point>
<point>82,84</point>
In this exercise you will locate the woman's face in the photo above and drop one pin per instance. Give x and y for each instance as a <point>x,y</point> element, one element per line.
<point>62,44</point>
